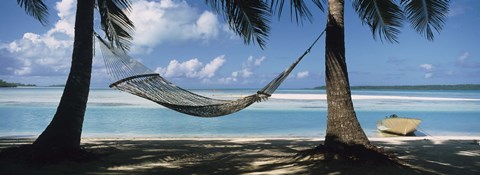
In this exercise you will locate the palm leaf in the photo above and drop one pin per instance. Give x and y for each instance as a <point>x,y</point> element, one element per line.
<point>426,14</point>
<point>36,9</point>
<point>247,18</point>
<point>297,7</point>
<point>383,16</point>
<point>115,22</point>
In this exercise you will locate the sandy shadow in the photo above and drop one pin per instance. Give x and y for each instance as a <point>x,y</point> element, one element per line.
<point>254,156</point>
<point>439,156</point>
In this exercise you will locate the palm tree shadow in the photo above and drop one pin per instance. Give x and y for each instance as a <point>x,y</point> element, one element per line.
<point>261,156</point>
<point>356,158</point>
<point>400,157</point>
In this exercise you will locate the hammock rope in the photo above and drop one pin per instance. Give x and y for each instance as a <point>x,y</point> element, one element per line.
<point>129,75</point>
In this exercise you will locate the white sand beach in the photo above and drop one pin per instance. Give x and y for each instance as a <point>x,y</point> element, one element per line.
<point>120,98</point>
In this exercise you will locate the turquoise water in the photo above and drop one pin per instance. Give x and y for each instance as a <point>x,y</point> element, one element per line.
<point>27,111</point>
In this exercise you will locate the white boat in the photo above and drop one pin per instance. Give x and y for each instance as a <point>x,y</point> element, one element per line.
<point>398,125</point>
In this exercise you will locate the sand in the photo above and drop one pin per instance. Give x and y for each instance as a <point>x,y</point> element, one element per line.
<point>252,156</point>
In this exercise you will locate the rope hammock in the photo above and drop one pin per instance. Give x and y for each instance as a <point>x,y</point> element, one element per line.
<point>135,78</point>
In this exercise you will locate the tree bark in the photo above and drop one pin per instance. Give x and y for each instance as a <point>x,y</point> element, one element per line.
<point>343,128</point>
<point>65,130</point>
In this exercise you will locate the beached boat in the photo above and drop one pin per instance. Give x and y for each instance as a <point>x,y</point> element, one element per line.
<point>398,125</point>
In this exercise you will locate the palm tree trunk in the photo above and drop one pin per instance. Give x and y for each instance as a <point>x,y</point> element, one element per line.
<point>343,128</point>
<point>64,131</point>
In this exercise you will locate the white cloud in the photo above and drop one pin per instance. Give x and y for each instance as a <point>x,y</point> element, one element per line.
<point>249,65</point>
<point>192,68</point>
<point>462,58</point>
<point>167,21</point>
<point>464,61</point>
<point>302,74</point>
<point>49,53</point>
<point>428,75</point>
<point>428,69</point>
<point>211,68</point>
<point>207,25</point>
<point>177,69</point>
<point>245,73</point>
<point>43,54</point>
<point>66,12</point>
<point>251,62</point>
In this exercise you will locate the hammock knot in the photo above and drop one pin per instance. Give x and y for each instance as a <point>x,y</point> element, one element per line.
<point>262,96</point>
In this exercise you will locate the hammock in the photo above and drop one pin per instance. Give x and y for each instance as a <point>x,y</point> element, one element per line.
<point>135,78</point>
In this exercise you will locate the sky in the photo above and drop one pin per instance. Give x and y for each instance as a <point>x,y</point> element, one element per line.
<point>192,46</point>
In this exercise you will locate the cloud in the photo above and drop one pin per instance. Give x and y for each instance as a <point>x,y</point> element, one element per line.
<point>192,68</point>
<point>243,75</point>
<point>228,80</point>
<point>211,68</point>
<point>255,62</point>
<point>427,69</point>
<point>302,74</point>
<point>428,75</point>
<point>49,53</point>
<point>42,54</point>
<point>249,65</point>
<point>462,58</point>
<point>170,21</point>
<point>463,61</point>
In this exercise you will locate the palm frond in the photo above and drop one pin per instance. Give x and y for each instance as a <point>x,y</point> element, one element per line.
<point>36,9</point>
<point>319,4</point>
<point>115,23</point>
<point>247,18</point>
<point>426,14</point>
<point>297,7</point>
<point>383,16</point>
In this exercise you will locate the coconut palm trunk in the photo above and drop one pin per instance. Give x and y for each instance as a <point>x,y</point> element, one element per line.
<point>64,132</point>
<point>343,128</point>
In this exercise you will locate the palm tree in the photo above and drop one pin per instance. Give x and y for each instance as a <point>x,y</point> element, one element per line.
<point>384,17</point>
<point>247,18</point>
<point>64,131</point>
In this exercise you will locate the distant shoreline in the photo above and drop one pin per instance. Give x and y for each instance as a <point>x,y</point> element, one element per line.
<point>393,87</point>
<point>415,87</point>
<point>5,84</point>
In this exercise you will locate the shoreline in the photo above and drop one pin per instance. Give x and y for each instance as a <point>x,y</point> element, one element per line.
<point>134,100</point>
<point>367,97</point>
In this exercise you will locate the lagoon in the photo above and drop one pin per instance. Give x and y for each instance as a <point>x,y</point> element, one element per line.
<point>288,113</point>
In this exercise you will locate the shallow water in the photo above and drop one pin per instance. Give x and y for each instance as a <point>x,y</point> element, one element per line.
<point>27,111</point>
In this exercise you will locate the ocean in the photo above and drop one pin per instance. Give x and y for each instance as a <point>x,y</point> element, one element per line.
<point>26,111</point>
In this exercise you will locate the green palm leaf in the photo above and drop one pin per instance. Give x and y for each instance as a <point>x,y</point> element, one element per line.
<point>383,16</point>
<point>115,22</point>
<point>297,7</point>
<point>247,18</point>
<point>36,9</point>
<point>426,14</point>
